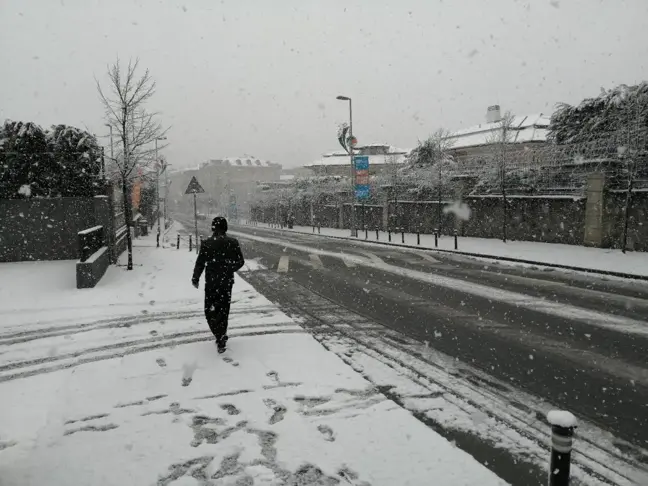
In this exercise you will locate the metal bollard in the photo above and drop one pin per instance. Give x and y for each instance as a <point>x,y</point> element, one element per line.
<point>189,242</point>
<point>456,243</point>
<point>418,237</point>
<point>366,234</point>
<point>377,235</point>
<point>562,433</point>
<point>158,240</point>
<point>389,235</point>
<point>178,243</point>
<point>436,238</point>
<point>402,237</point>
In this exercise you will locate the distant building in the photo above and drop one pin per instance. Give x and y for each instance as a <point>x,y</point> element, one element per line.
<point>338,163</point>
<point>230,184</point>
<point>525,131</point>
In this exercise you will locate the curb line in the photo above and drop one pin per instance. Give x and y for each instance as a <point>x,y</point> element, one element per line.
<point>465,253</point>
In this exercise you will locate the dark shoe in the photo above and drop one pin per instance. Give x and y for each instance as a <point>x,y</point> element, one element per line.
<point>222,344</point>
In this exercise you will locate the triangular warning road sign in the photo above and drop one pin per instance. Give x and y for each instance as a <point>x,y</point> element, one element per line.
<point>194,187</point>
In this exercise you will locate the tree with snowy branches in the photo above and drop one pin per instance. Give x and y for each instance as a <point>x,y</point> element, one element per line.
<point>602,118</point>
<point>500,144</point>
<point>124,100</point>
<point>616,120</point>
<point>431,168</point>
<point>62,162</point>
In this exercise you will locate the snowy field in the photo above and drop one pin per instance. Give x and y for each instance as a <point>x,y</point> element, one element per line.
<point>122,384</point>
<point>635,263</point>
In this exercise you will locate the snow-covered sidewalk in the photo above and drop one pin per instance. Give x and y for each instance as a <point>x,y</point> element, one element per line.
<point>598,259</point>
<point>122,384</point>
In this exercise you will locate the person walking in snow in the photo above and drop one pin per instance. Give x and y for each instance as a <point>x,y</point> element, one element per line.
<point>222,256</point>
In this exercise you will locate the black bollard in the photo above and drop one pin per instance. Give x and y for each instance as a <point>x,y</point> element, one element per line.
<point>158,240</point>
<point>562,433</point>
<point>319,229</point>
<point>377,235</point>
<point>436,238</point>
<point>418,237</point>
<point>366,234</point>
<point>402,237</point>
<point>456,243</point>
<point>178,243</point>
<point>190,242</point>
<point>389,235</point>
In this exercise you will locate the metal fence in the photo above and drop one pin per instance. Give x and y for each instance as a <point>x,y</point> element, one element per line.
<point>545,170</point>
<point>553,170</point>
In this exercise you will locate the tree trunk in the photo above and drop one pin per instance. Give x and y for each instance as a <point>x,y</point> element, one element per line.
<point>626,211</point>
<point>504,205</point>
<point>129,217</point>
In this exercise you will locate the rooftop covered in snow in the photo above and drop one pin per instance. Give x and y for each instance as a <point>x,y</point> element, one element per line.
<point>242,161</point>
<point>378,153</point>
<point>524,128</point>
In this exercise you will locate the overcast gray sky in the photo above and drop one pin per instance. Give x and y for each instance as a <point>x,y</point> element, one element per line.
<point>260,77</point>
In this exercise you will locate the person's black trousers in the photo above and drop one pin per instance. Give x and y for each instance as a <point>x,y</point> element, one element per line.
<point>217,306</point>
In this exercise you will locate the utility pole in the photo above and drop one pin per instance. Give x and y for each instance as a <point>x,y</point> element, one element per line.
<point>159,168</point>
<point>112,152</point>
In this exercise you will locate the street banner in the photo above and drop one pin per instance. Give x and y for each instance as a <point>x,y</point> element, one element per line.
<point>361,163</point>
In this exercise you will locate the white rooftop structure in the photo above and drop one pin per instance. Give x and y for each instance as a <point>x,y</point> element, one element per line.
<point>524,129</point>
<point>241,161</point>
<point>389,155</point>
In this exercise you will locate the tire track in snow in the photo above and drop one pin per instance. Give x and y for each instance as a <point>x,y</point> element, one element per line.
<point>8,372</point>
<point>116,322</point>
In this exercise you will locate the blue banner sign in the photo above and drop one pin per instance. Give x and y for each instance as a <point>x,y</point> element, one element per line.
<point>361,163</point>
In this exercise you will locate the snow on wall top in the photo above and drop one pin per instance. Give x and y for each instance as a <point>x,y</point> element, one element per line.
<point>525,128</point>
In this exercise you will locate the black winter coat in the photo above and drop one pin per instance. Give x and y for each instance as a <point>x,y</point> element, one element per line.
<point>222,256</point>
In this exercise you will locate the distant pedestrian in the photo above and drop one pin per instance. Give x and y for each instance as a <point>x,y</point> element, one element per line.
<point>222,256</point>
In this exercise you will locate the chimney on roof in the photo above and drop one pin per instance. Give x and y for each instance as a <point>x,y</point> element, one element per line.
<point>493,114</point>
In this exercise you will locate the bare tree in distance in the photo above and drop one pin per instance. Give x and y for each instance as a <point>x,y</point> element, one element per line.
<point>433,149</point>
<point>432,164</point>
<point>124,99</point>
<point>499,142</point>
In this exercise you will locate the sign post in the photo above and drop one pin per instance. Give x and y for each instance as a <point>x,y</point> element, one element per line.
<point>194,188</point>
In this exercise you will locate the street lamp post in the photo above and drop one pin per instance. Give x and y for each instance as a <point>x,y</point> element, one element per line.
<point>354,231</point>
<point>157,183</point>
